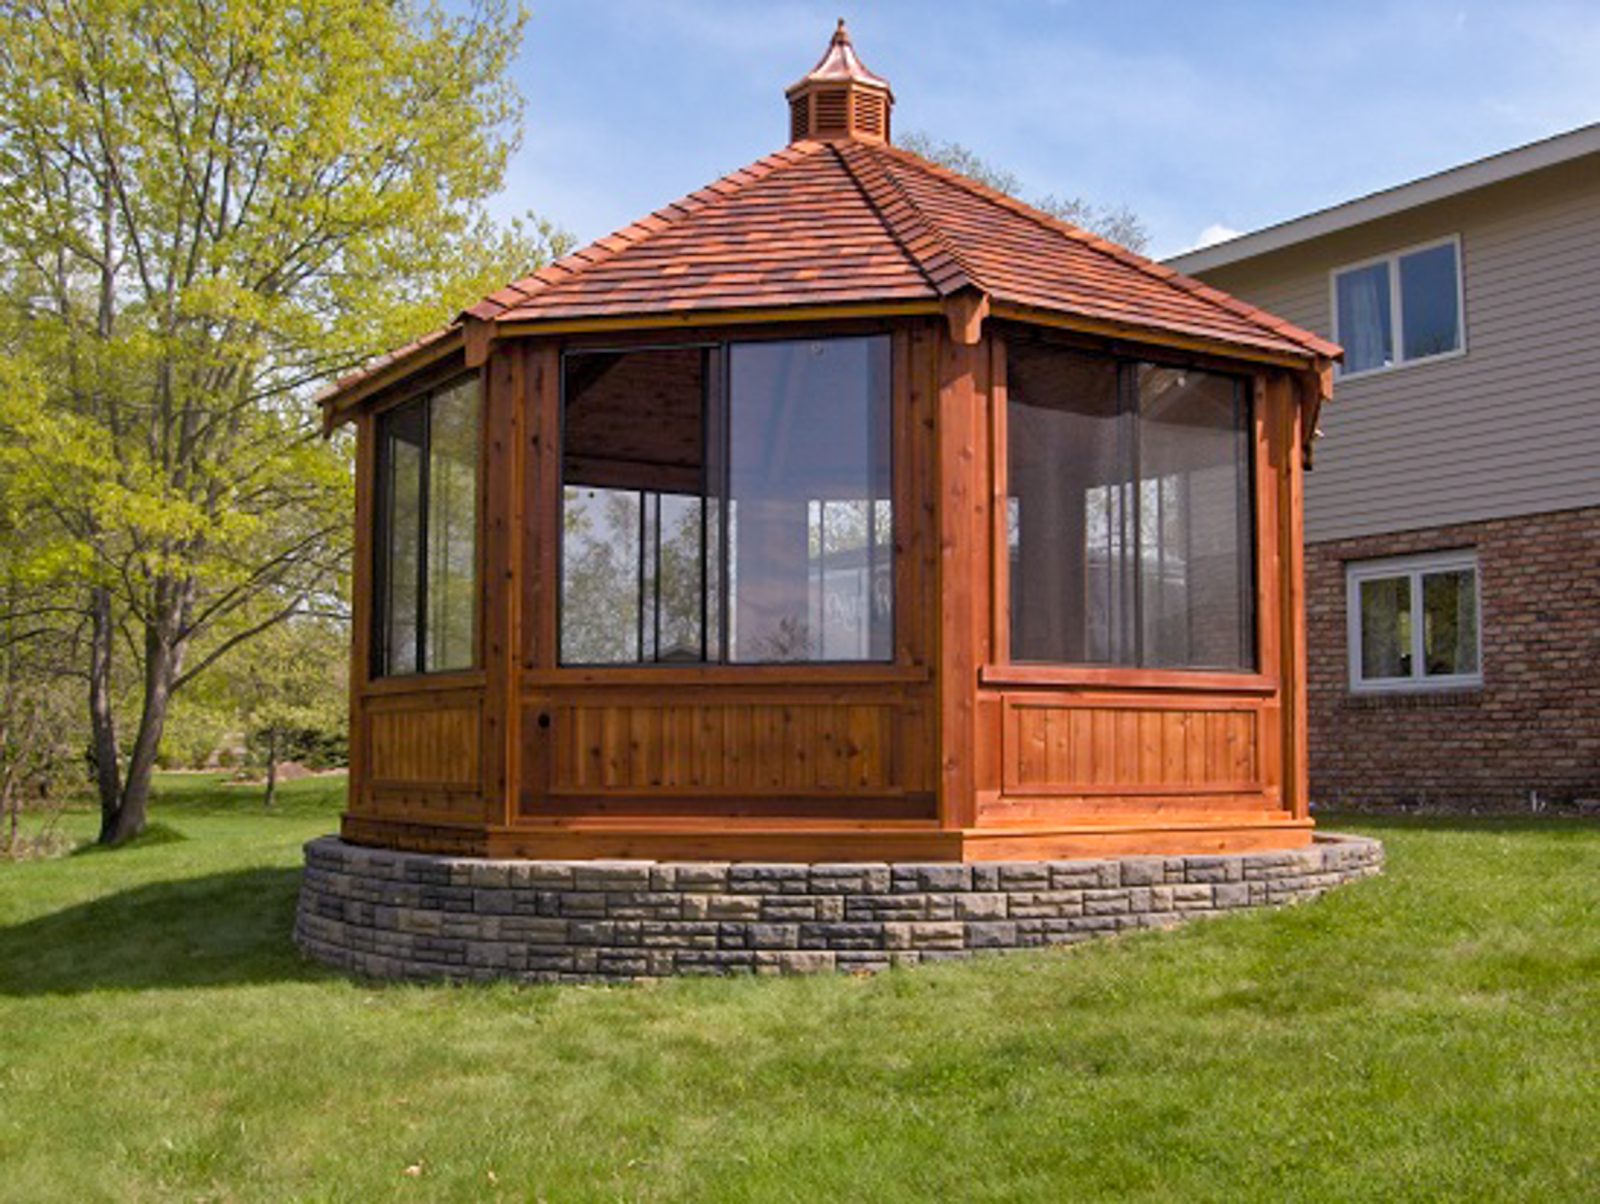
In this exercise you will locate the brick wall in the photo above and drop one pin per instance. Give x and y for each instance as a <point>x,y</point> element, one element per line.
<point>1535,723</point>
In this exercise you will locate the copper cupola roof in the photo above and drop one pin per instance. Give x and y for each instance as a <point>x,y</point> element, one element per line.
<point>839,97</point>
<point>841,222</point>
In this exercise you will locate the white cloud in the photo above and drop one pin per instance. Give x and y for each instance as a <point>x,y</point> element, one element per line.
<point>1213,234</point>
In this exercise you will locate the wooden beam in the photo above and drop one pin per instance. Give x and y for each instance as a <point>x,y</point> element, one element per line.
<point>692,319</point>
<point>965,312</point>
<point>1153,336</point>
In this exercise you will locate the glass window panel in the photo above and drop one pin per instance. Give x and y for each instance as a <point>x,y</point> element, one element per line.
<point>1069,515</point>
<point>452,525</point>
<point>1385,627</point>
<point>637,536</point>
<point>810,543</point>
<point>402,433</point>
<point>1449,623</point>
<point>1365,318</point>
<point>1194,549</point>
<point>1430,317</point>
<point>600,563</point>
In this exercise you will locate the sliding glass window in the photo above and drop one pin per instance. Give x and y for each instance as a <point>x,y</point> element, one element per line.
<point>1129,513</point>
<point>728,503</point>
<point>426,553</point>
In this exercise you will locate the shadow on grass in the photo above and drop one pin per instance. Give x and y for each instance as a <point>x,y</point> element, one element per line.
<point>219,930</point>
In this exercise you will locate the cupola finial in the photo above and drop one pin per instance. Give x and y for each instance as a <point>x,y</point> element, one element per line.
<point>839,97</point>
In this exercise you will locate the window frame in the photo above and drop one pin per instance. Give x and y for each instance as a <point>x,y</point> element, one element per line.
<point>1413,567</point>
<point>1396,314</point>
<point>378,638</point>
<point>716,433</point>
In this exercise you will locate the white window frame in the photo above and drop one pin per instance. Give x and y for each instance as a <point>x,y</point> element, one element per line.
<point>1396,317</point>
<point>1414,567</point>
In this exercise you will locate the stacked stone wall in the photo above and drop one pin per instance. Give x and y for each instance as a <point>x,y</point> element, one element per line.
<point>384,914</point>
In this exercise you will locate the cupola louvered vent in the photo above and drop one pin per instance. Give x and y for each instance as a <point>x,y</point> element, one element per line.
<point>840,98</point>
<point>799,118</point>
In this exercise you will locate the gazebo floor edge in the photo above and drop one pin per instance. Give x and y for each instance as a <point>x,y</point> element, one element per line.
<point>387,914</point>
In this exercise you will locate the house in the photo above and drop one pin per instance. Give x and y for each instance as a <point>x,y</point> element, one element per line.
<point>1453,520</point>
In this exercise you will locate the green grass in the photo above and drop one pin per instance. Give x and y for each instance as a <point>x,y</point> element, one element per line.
<point>1428,1035</point>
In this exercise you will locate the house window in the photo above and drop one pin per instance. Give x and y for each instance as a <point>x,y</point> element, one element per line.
<point>1399,309</point>
<point>728,504</point>
<point>1129,513</point>
<point>426,551</point>
<point>1413,623</point>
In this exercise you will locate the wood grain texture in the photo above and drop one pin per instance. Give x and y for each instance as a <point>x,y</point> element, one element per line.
<point>433,745</point>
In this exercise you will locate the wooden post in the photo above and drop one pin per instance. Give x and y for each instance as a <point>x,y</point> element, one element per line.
<point>962,440</point>
<point>499,567</point>
<point>361,607</point>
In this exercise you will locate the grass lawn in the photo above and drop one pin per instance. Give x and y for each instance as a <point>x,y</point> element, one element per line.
<point>1432,1034</point>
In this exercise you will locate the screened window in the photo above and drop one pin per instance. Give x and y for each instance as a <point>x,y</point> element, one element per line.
<point>1414,623</point>
<point>1129,513</point>
<point>1399,309</point>
<point>425,600</point>
<point>727,504</point>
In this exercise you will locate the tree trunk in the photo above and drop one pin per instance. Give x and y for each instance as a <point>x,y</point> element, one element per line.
<point>272,766</point>
<point>102,722</point>
<point>161,665</point>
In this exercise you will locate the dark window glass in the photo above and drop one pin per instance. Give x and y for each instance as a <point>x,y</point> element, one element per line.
<point>1129,515</point>
<point>637,532</point>
<point>1070,523</point>
<point>1429,310</point>
<point>810,528</point>
<point>1196,576</point>
<point>425,602</point>
<point>794,451</point>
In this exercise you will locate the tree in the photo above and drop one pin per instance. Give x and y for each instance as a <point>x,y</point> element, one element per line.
<point>207,207</point>
<point>1117,223</point>
<point>290,689</point>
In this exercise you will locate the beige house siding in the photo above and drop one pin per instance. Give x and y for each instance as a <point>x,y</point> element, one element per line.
<point>1511,427</point>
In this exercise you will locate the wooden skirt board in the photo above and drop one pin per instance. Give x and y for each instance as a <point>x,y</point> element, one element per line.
<point>800,841</point>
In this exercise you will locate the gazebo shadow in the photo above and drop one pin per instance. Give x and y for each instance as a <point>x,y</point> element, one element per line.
<point>226,929</point>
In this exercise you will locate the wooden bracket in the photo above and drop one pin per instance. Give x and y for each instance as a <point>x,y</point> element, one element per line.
<point>965,311</point>
<point>476,337</point>
<point>1316,387</point>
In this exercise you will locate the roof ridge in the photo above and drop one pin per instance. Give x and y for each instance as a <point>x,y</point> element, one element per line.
<point>1111,250</point>
<point>601,249</point>
<point>906,221</point>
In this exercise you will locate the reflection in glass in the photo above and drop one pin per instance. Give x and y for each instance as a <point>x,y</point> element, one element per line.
<point>1129,519</point>
<point>638,537</point>
<point>1196,576</point>
<point>810,522</point>
<point>401,436</point>
<point>1429,304</point>
<point>425,597</point>
<point>452,527</point>
<point>1449,623</point>
<point>1385,627</point>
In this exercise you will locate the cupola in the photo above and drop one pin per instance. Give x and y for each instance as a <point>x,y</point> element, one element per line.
<point>840,98</point>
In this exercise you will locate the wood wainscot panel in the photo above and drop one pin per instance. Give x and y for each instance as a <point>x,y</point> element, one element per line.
<point>425,746</point>
<point>762,755</point>
<point>1140,755</point>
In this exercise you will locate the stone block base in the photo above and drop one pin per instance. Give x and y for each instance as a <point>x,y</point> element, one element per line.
<point>384,914</point>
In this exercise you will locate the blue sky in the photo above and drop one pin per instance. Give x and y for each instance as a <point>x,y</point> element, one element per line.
<point>1196,115</point>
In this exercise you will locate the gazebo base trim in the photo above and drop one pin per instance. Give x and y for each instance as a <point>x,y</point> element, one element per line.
<point>744,839</point>
<point>383,914</point>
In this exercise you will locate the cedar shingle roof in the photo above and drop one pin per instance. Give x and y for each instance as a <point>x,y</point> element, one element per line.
<point>852,222</point>
<point>831,223</point>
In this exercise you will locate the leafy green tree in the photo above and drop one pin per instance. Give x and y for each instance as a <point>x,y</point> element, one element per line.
<point>1117,223</point>
<point>208,207</point>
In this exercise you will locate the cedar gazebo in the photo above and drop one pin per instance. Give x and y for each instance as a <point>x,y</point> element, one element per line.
<point>844,510</point>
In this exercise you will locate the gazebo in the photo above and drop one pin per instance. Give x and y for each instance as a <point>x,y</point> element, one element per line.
<point>845,510</point>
